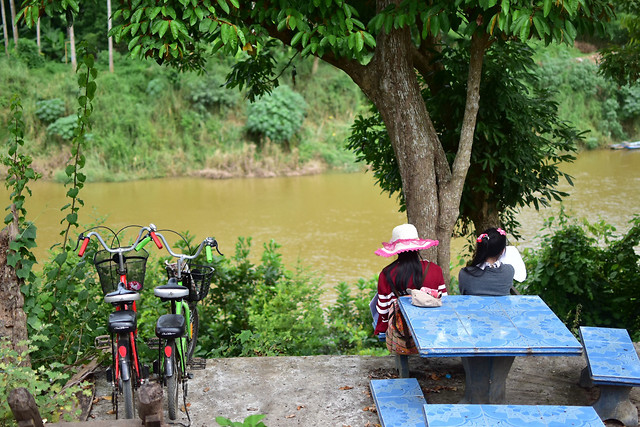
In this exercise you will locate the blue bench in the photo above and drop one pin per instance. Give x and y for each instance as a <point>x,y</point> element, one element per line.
<point>613,366</point>
<point>512,415</point>
<point>399,402</point>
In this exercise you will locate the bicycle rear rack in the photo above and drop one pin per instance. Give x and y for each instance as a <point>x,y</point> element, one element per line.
<point>153,343</point>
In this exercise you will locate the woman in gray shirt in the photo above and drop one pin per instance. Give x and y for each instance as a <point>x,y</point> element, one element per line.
<point>486,274</point>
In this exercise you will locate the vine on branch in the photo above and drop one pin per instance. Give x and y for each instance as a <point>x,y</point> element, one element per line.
<point>19,173</point>
<point>87,74</point>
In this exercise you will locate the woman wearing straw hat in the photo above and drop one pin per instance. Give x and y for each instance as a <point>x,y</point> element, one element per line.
<point>408,271</point>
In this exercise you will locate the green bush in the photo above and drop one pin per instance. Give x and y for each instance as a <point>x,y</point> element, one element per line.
<point>586,274</point>
<point>277,116</point>
<point>27,53</point>
<point>44,383</point>
<point>64,127</point>
<point>49,110</point>
<point>208,94</point>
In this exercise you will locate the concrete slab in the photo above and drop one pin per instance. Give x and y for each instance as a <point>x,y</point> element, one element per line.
<point>334,390</point>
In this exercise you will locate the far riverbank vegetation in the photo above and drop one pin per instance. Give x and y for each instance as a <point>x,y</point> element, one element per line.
<point>151,121</point>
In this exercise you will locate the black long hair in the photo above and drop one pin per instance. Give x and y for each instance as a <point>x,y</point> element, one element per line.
<point>409,267</point>
<point>490,244</point>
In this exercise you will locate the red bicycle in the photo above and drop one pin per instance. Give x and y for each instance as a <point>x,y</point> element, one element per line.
<point>121,277</point>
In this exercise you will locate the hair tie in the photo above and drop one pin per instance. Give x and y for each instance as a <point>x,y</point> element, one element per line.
<point>501,231</point>
<point>480,237</point>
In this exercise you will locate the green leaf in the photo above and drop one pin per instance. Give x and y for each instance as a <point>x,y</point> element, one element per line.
<point>135,17</point>
<point>359,41</point>
<point>369,40</point>
<point>61,258</point>
<point>174,29</point>
<point>570,29</point>
<point>164,25</point>
<point>546,8</point>
<point>204,25</point>
<point>435,25</point>
<point>152,12</point>
<point>223,4</point>
<point>296,38</point>
<point>91,89</point>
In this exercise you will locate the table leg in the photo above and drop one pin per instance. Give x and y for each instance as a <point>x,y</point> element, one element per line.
<point>402,365</point>
<point>614,404</point>
<point>485,379</point>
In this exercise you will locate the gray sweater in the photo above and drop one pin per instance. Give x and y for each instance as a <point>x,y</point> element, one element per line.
<point>495,281</point>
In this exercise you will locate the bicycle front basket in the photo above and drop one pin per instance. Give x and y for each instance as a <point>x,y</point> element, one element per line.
<point>199,280</point>
<point>107,267</point>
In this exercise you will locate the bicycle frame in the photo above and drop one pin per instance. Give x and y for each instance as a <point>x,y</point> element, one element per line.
<point>175,329</point>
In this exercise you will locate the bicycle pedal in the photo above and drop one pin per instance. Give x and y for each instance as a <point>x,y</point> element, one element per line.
<point>103,342</point>
<point>198,363</point>
<point>153,343</point>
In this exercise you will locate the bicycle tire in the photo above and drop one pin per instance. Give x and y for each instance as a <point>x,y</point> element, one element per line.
<point>127,386</point>
<point>172,386</point>
<point>127,396</point>
<point>192,334</point>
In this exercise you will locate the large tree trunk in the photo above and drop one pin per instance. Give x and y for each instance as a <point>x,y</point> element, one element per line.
<point>72,48</point>
<point>13,321</point>
<point>14,26</point>
<point>110,39</point>
<point>432,189</point>
<point>451,179</point>
<point>5,32</point>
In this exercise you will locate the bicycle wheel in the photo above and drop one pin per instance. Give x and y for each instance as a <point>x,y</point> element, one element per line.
<point>172,386</point>
<point>192,333</point>
<point>126,386</point>
<point>127,396</point>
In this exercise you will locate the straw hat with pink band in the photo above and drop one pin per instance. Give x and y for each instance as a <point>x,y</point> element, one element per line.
<point>404,238</point>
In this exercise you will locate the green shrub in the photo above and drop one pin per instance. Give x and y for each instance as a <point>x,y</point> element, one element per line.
<point>64,127</point>
<point>584,271</point>
<point>630,108</point>
<point>156,86</point>
<point>207,94</point>
<point>27,53</point>
<point>44,383</point>
<point>277,116</point>
<point>49,110</point>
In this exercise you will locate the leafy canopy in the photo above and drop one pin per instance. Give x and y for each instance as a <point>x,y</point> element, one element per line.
<point>183,32</point>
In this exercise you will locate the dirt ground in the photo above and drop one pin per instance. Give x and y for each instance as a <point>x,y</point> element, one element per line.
<point>334,390</point>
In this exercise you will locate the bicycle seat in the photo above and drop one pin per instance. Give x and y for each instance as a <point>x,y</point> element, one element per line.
<point>171,290</point>
<point>170,326</point>
<point>121,295</point>
<point>122,321</point>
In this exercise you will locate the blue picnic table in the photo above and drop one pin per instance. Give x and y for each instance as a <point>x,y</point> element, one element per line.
<point>488,333</point>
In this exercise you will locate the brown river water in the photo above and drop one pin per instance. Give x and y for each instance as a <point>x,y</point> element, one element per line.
<point>331,223</point>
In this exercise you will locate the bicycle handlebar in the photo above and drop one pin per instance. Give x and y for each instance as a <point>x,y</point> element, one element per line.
<point>207,243</point>
<point>137,245</point>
